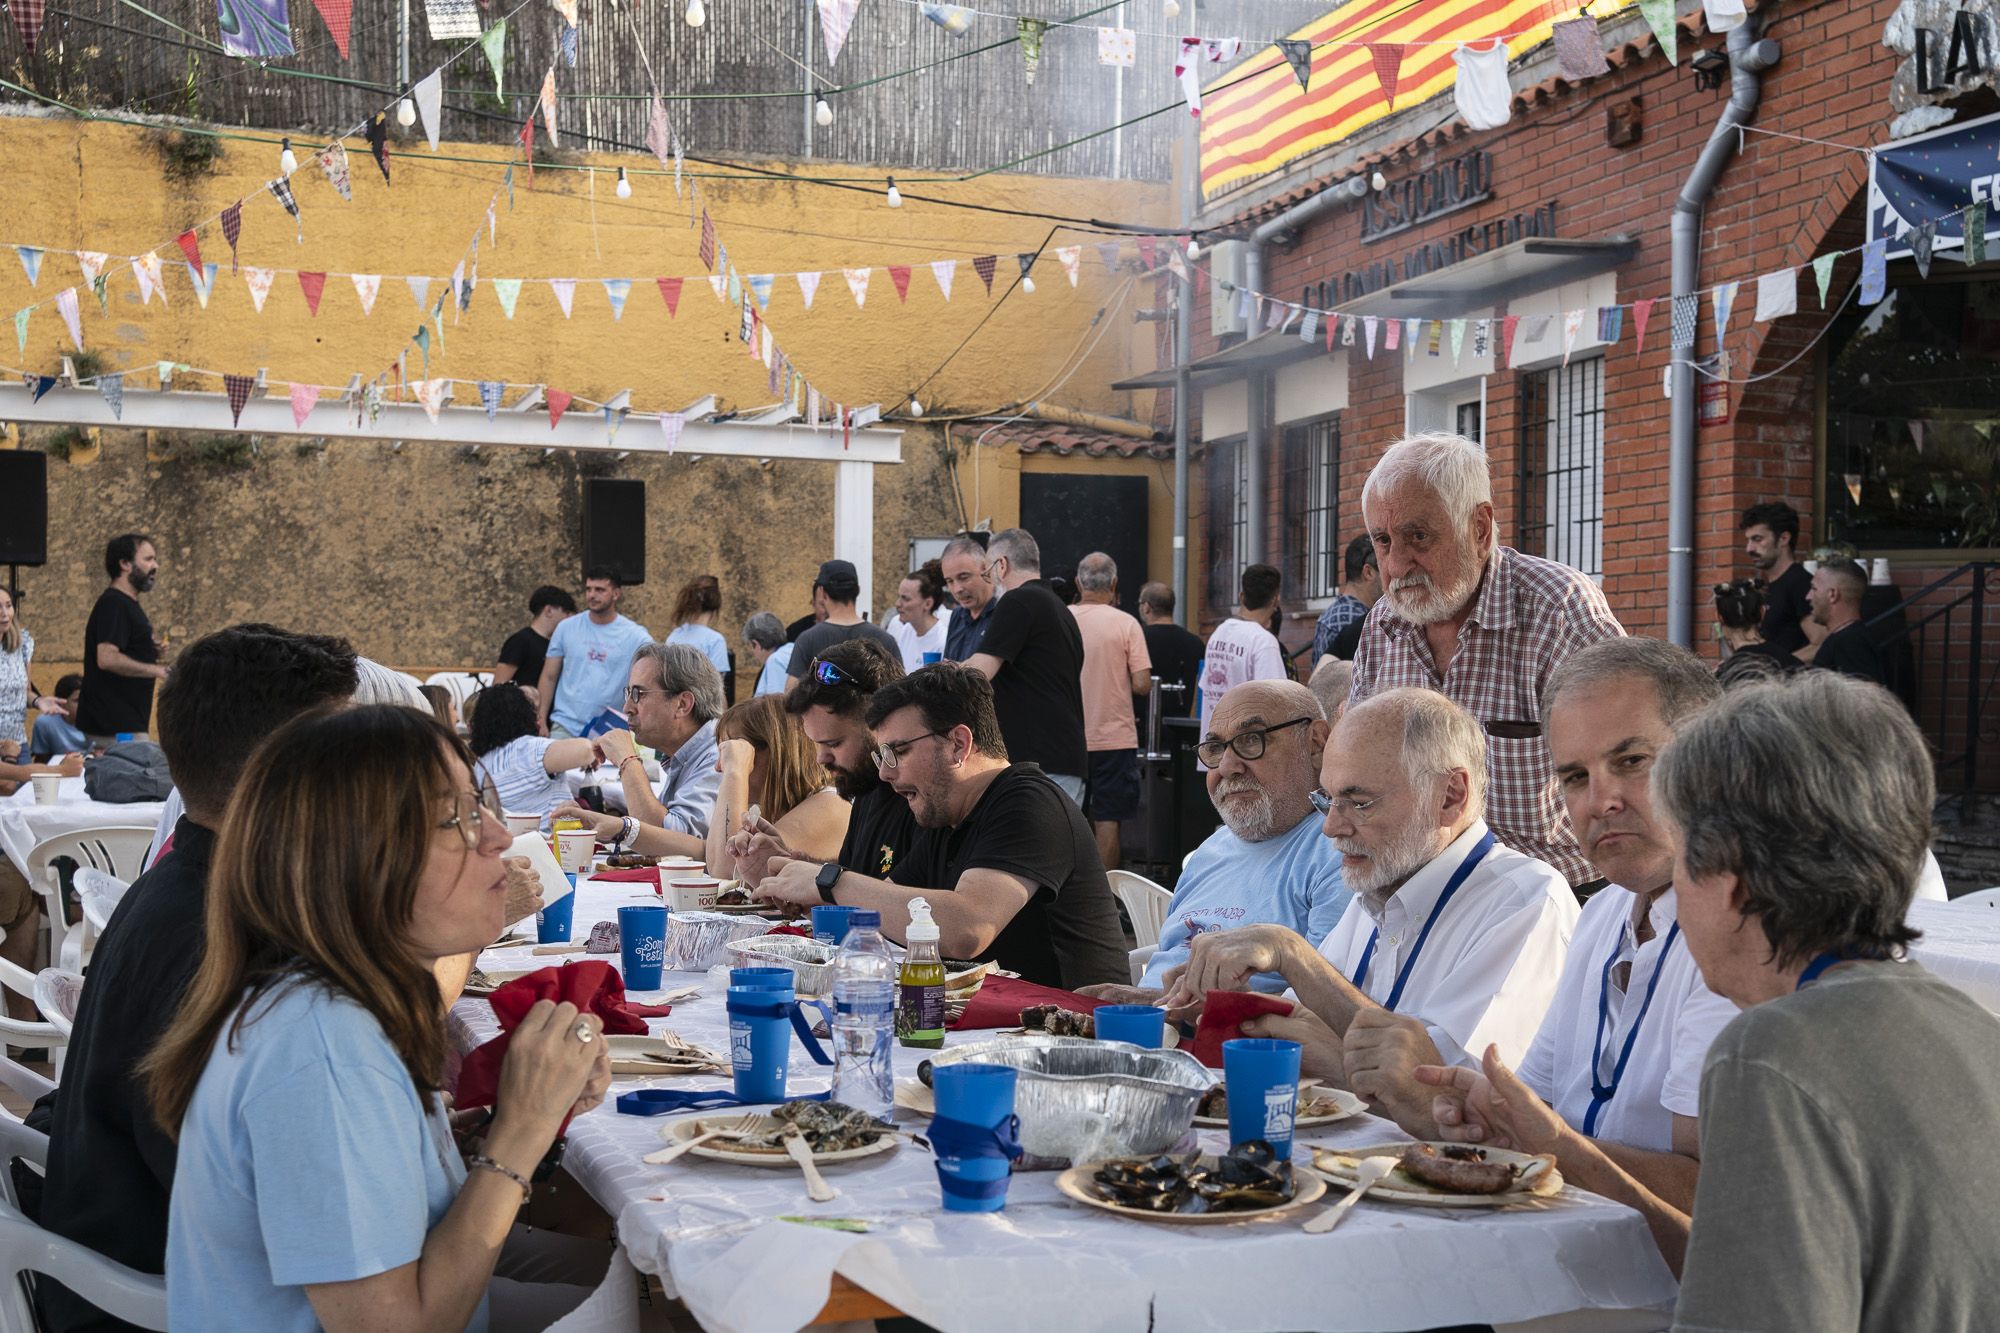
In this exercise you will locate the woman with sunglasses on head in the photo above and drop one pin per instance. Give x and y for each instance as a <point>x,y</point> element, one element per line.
<point>317,1184</point>
<point>767,763</point>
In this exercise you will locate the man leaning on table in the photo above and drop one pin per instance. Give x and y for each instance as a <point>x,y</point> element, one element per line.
<point>1010,870</point>
<point>1452,938</point>
<point>1848,1172</point>
<point>673,700</point>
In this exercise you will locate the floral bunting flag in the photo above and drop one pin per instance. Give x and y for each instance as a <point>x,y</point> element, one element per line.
<point>1392,335</point>
<point>238,388</point>
<point>670,292</point>
<point>494,43</point>
<point>314,286</point>
<point>31,263</point>
<point>91,263</point>
<point>615,291</point>
<point>1070,257</point>
<point>943,270</point>
<point>900,275</point>
<point>558,404</point>
<point>338,15</point>
<point>547,99</point>
<point>565,290</point>
<point>366,286</point>
<point>203,282</point>
<point>835,18</point>
<point>507,291</point>
<point>719,285</point>
<point>760,287</point>
<point>112,387</point>
<point>255,28</point>
<point>72,317</point>
<point>1118,47</point>
<point>1572,327</point>
<point>808,284</point>
<point>984,266</point>
<point>670,429</point>
<point>100,287</point>
<point>232,229</point>
<point>430,396</point>
<point>489,396</point>
<point>1029,33</point>
<point>305,397</point>
<point>1874,271</point>
<point>1660,17</point>
<point>1642,314</point>
<point>146,268</point>
<point>1822,268</point>
<point>334,163</point>
<point>857,282</point>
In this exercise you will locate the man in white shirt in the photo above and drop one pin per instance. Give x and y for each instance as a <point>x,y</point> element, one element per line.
<point>1451,935</point>
<point>1243,647</point>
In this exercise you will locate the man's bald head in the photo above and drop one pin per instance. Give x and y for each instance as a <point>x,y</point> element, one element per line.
<point>1266,796</point>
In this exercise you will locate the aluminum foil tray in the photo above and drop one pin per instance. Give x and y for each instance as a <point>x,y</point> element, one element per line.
<point>696,940</point>
<point>811,961</point>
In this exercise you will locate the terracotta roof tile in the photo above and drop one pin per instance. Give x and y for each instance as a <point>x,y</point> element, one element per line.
<point>1030,437</point>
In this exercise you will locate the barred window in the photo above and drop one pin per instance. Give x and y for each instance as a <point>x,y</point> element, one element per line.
<point>1311,506</point>
<point>1562,464</point>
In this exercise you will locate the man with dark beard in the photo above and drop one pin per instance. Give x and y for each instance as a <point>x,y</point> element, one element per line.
<point>121,655</point>
<point>1269,863</point>
<point>1480,623</point>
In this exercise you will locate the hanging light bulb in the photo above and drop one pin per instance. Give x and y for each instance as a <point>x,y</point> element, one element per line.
<point>624,186</point>
<point>406,112</point>
<point>895,195</point>
<point>1028,285</point>
<point>1172,9</point>
<point>697,13</point>
<point>916,408</point>
<point>288,161</point>
<point>1194,248</point>
<point>822,112</point>
<point>1379,182</point>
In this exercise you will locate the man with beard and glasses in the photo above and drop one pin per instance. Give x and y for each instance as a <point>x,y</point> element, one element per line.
<point>831,703</point>
<point>1480,623</point>
<point>1268,864</point>
<point>1448,926</point>
<point>1010,870</point>
<point>121,654</point>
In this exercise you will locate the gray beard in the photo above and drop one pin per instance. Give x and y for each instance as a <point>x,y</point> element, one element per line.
<point>1409,851</point>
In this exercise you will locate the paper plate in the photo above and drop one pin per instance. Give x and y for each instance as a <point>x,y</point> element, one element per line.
<point>635,1054</point>
<point>1339,1165</point>
<point>496,979</point>
<point>1075,1182</point>
<point>722,1150</point>
<point>1347,1105</point>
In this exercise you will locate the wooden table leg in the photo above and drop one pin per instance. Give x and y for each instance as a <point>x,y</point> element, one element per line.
<point>845,1301</point>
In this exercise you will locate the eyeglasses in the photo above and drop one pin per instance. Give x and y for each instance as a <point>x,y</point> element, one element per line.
<point>1249,745</point>
<point>636,694</point>
<point>889,754</point>
<point>469,814</point>
<point>1356,812</point>
<point>826,673</point>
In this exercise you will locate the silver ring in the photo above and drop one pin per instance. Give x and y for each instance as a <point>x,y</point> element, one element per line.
<point>584,1034</point>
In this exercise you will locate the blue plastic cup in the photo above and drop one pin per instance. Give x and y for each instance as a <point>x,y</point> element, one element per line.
<point>552,922</point>
<point>830,922</point>
<point>1262,1074</point>
<point>762,978</point>
<point>1141,1024</point>
<point>642,945</point>
<point>981,1095</point>
<point>760,1041</point>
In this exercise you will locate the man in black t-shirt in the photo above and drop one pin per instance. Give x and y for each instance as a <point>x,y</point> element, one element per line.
<point>121,656</point>
<point>1837,589</point>
<point>834,592</point>
<point>1009,867</point>
<point>1033,654</point>
<point>1770,534</point>
<point>1176,654</point>
<point>521,657</point>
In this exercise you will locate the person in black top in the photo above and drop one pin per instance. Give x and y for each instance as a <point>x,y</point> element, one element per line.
<point>1739,613</point>
<point>1770,535</point>
<point>1176,654</point>
<point>1837,589</point>
<point>121,656</point>
<point>1011,871</point>
<point>834,593</point>
<point>521,657</point>
<point>1033,654</point>
<point>111,1166</point>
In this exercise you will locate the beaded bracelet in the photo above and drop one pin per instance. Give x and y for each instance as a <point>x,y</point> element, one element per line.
<point>487,1163</point>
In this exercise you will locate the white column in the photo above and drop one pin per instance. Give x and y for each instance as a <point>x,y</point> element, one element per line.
<point>854,522</point>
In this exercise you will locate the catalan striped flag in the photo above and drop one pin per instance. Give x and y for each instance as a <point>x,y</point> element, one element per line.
<point>1256,117</point>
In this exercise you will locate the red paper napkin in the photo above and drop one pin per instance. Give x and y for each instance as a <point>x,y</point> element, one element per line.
<point>790,930</point>
<point>999,1002</point>
<point>636,875</point>
<point>1222,1016</point>
<point>593,987</point>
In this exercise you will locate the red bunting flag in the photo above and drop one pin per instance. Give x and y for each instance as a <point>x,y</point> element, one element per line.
<point>337,15</point>
<point>670,292</point>
<point>1149,249</point>
<point>984,266</point>
<point>1388,58</point>
<point>528,147</point>
<point>238,388</point>
<point>1507,327</point>
<point>900,275</point>
<point>312,284</point>
<point>1641,312</point>
<point>191,248</point>
<point>558,404</point>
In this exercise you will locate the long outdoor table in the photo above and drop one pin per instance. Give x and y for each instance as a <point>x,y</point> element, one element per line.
<point>24,824</point>
<point>1961,943</point>
<point>710,1231</point>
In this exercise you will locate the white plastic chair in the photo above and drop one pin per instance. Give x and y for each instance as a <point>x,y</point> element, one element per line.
<point>57,993</point>
<point>1981,898</point>
<point>118,850</point>
<point>1140,957</point>
<point>99,893</point>
<point>125,1293</point>
<point>1145,902</point>
<point>462,684</point>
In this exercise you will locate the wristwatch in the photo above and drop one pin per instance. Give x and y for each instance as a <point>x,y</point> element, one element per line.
<point>829,875</point>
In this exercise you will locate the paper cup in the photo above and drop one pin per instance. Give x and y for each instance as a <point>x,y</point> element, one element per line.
<point>519,824</point>
<point>692,894</point>
<point>574,848</point>
<point>48,788</point>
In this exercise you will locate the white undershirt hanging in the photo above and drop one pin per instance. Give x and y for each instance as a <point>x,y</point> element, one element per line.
<point>1481,92</point>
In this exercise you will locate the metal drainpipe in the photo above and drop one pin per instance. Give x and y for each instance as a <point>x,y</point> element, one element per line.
<point>1749,56</point>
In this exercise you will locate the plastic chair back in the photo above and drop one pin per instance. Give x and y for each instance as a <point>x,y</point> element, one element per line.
<point>119,850</point>
<point>1145,902</point>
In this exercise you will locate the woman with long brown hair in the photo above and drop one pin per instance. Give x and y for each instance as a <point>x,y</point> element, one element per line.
<point>766,761</point>
<point>317,1183</point>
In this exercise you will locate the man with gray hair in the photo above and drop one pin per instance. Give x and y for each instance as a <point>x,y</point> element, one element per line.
<point>765,634</point>
<point>969,579</point>
<point>1479,622</point>
<point>673,698</point>
<point>1848,1172</point>
<point>1033,654</point>
<point>1448,926</point>
<point>1116,668</point>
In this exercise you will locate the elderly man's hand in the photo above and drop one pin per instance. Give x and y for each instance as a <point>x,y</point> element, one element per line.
<point>1384,1051</point>
<point>1320,1054</point>
<point>1226,960</point>
<point>524,888</point>
<point>790,884</point>
<point>1491,1106</point>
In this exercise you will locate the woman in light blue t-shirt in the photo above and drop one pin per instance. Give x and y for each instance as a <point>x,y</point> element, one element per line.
<point>526,767</point>
<point>318,1183</point>
<point>694,618</point>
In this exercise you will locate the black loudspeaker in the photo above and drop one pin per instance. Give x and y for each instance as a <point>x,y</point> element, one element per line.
<point>24,515</point>
<point>614,527</point>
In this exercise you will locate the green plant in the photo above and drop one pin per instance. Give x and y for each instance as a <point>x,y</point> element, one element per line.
<point>230,451</point>
<point>186,156</point>
<point>88,364</point>
<point>64,441</point>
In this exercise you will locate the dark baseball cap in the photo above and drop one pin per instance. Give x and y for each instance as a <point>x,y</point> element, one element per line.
<point>839,579</point>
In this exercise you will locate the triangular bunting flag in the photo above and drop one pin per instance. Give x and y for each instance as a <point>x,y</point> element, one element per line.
<point>1722,297</point>
<point>943,270</point>
<point>1071,257</point>
<point>494,43</point>
<point>900,275</point>
<point>857,282</point>
<point>547,98</point>
<point>1922,242</point>
<point>429,97</point>
<point>615,291</point>
<point>835,18</point>
<point>1107,252</point>
<point>238,388</point>
<point>146,268</point>
<point>565,290</point>
<point>1027,263</point>
<point>376,131</point>
<point>66,307</point>
<point>100,287</point>
<point>718,284</point>
<point>1642,314</point>
<point>91,263</point>
<point>558,404</point>
<point>1822,268</point>
<point>1660,17</point>
<point>366,285</point>
<point>41,385</point>
<point>430,396</point>
<point>808,284</point>
<point>313,285</point>
<point>527,153</point>
<point>420,291</point>
<point>29,16</point>
<point>1974,230</point>
<point>707,244</point>
<point>1387,58</point>
<point>1299,55</point>
<point>670,292</point>
<point>31,262</point>
<point>203,282</point>
<point>232,229</point>
<point>1572,327</point>
<point>659,136</point>
<point>760,287</point>
<point>334,163</point>
<point>112,387</point>
<point>259,282</point>
<point>735,282</point>
<point>305,397</point>
<point>1028,32</point>
<point>984,266</point>
<point>507,291</point>
<point>1368,327</point>
<point>489,396</point>
<point>1510,331</point>
<point>1458,337</point>
<point>670,428</point>
<point>190,247</point>
<point>338,15</point>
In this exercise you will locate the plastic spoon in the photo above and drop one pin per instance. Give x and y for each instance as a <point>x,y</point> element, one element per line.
<point>1366,1177</point>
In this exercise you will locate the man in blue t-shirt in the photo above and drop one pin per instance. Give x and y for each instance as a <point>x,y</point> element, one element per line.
<point>1270,861</point>
<point>589,658</point>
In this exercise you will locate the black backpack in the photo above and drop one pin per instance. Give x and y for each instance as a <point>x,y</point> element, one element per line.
<point>127,772</point>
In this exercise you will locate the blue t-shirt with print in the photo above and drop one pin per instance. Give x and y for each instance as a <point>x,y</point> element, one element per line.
<point>596,667</point>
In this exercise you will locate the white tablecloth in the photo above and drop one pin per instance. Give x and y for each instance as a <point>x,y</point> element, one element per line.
<point>24,824</point>
<point>1961,943</point>
<point>710,1232</point>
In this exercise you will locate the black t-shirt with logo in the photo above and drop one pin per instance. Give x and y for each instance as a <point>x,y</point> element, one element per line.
<point>880,833</point>
<point>525,651</point>
<point>113,703</point>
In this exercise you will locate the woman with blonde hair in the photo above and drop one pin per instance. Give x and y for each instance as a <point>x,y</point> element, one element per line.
<point>767,762</point>
<point>317,1182</point>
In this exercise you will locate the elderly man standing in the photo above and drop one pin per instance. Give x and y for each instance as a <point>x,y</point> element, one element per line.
<point>1268,864</point>
<point>1847,1165</point>
<point>1480,623</point>
<point>1033,654</point>
<point>1116,667</point>
<point>1448,926</point>
<point>674,698</point>
<point>969,579</point>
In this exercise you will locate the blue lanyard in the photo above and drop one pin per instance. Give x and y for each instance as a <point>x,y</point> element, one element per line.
<point>1473,858</point>
<point>1600,1092</point>
<point>1815,967</point>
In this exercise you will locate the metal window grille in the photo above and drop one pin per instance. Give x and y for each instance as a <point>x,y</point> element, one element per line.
<point>1311,499</point>
<point>1562,464</point>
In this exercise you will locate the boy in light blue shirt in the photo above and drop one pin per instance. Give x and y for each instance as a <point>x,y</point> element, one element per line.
<point>589,658</point>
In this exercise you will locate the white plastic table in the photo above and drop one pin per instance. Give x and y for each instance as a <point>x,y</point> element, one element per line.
<point>1961,943</point>
<point>23,823</point>
<point>710,1231</point>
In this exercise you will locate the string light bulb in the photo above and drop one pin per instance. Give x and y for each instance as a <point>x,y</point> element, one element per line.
<point>1027,284</point>
<point>624,186</point>
<point>916,408</point>
<point>895,195</point>
<point>697,13</point>
<point>822,113</point>
<point>1172,9</point>
<point>406,112</point>
<point>288,161</point>
<point>1379,182</point>
<point>1194,248</point>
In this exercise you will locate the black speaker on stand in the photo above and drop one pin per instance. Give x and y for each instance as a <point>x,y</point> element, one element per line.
<point>24,518</point>
<point>614,527</point>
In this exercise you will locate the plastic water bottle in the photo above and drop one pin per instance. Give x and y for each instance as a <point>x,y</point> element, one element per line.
<point>864,1018</point>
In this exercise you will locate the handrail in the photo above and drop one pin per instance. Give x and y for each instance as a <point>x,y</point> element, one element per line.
<point>1929,588</point>
<point>1952,716</point>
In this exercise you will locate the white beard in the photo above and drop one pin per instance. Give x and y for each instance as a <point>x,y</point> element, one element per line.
<point>1252,823</point>
<point>1412,848</point>
<point>1419,600</point>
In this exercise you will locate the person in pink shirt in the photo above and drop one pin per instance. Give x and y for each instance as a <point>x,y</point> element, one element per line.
<point>1116,667</point>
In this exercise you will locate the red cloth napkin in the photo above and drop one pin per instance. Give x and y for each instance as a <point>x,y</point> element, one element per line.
<point>999,1002</point>
<point>1222,1016</point>
<point>789,930</point>
<point>636,875</point>
<point>593,987</point>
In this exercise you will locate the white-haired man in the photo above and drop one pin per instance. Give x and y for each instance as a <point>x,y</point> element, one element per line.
<point>1478,621</point>
<point>1268,863</point>
<point>1448,927</point>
